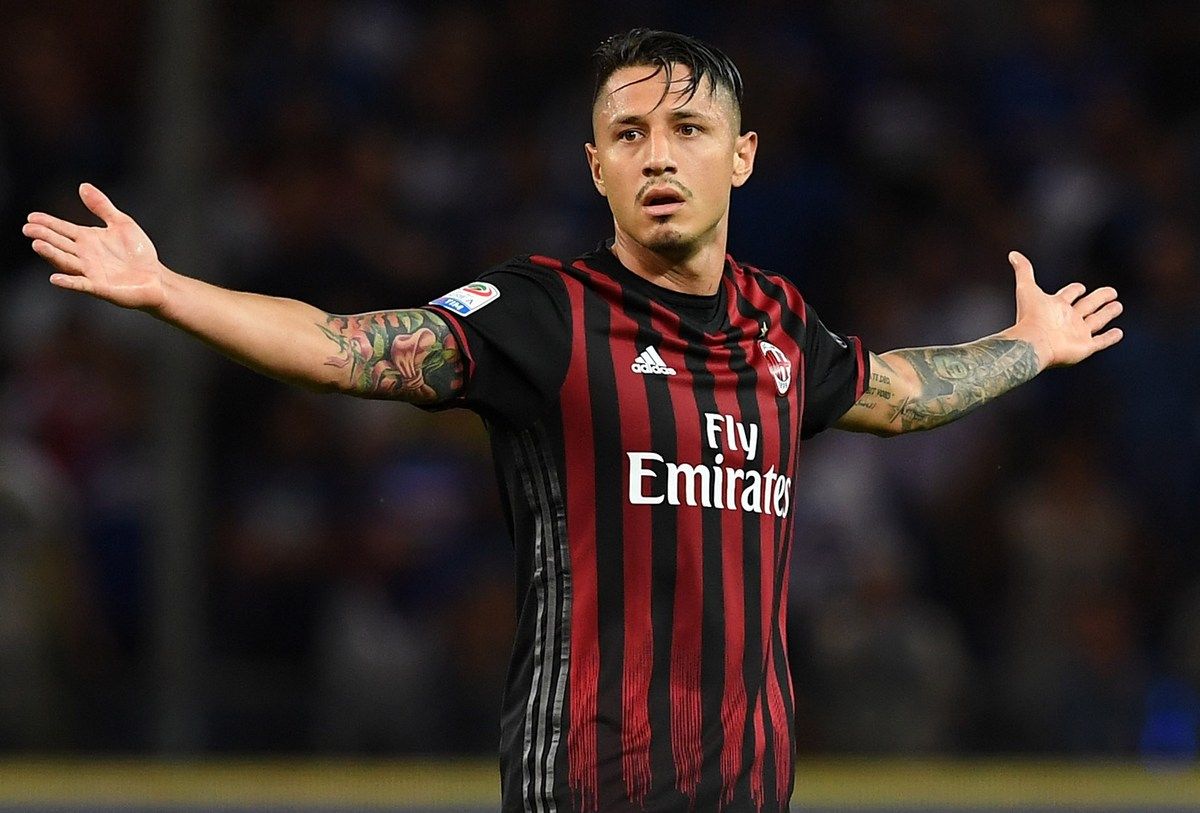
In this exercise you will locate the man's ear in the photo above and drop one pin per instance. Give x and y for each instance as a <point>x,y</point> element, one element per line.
<point>744,149</point>
<point>594,166</point>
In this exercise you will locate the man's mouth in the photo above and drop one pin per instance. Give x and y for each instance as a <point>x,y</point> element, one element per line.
<point>662,202</point>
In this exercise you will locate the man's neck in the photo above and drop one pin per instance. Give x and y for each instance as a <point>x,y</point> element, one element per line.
<point>699,273</point>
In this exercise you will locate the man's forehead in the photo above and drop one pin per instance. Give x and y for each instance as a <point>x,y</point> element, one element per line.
<point>639,89</point>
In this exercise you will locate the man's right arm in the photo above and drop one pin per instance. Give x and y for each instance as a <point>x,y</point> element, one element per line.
<point>408,355</point>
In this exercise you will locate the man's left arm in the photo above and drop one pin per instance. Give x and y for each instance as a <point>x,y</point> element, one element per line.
<point>925,387</point>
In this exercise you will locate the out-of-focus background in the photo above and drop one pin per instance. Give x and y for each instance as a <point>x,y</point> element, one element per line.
<point>196,561</point>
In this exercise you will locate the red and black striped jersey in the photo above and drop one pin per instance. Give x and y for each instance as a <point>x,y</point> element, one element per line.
<point>646,444</point>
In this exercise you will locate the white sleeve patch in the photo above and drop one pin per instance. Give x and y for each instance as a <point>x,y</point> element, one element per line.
<point>469,298</point>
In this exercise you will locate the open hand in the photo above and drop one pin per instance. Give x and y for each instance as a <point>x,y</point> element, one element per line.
<point>1065,327</point>
<point>115,262</point>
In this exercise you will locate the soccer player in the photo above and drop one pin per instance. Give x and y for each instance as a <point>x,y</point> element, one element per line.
<point>646,404</point>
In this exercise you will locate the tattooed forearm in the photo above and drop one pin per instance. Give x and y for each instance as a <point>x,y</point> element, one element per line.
<point>409,355</point>
<point>879,388</point>
<point>955,380</point>
<point>876,399</point>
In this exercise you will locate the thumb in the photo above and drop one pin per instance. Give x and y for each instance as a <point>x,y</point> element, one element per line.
<point>1023,269</point>
<point>99,204</point>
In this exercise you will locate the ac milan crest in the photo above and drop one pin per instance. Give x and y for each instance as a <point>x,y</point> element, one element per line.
<point>779,365</point>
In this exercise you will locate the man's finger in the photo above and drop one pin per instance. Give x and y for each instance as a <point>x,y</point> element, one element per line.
<point>59,241</point>
<point>61,226</point>
<point>72,283</point>
<point>1107,339</point>
<point>1071,291</point>
<point>1023,269</point>
<point>58,258</point>
<point>1095,300</point>
<point>1096,321</point>
<point>100,205</point>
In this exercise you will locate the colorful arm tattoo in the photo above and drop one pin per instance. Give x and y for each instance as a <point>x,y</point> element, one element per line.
<point>408,355</point>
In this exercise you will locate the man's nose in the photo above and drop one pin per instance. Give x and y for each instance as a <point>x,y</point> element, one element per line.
<point>658,155</point>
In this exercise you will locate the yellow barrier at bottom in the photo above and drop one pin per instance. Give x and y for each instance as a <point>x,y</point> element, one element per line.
<point>931,784</point>
<point>368,784</point>
<point>247,783</point>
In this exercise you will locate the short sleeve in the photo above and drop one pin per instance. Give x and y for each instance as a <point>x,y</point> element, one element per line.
<point>513,324</point>
<point>836,368</point>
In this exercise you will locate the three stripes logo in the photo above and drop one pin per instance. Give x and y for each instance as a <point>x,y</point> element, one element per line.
<point>649,362</point>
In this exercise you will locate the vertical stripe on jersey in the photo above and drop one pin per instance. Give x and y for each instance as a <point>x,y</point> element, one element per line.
<point>551,578</point>
<point>753,558</point>
<point>660,545</point>
<point>636,559</point>
<point>677,437</point>
<point>582,529</point>
<point>791,315</point>
<point>604,488</point>
<point>529,781</point>
<point>559,523</point>
<point>552,493</point>
<point>784,662</point>
<point>785,759</point>
<point>774,407</point>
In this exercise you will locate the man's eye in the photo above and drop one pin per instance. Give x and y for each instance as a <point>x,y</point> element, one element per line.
<point>688,129</point>
<point>628,135</point>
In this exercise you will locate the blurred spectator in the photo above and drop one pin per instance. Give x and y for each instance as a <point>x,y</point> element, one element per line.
<point>890,669</point>
<point>1074,673</point>
<point>417,556</point>
<point>39,610</point>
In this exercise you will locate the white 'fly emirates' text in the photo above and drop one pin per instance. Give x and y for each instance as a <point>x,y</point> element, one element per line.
<point>714,486</point>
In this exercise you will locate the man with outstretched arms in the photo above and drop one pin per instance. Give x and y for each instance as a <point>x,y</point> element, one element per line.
<point>646,403</point>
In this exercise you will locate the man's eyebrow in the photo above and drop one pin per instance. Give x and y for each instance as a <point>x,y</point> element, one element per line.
<point>689,113</point>
<point>675,115</point>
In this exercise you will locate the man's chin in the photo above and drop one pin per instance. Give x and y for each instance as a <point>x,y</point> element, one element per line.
<point>671,243</point>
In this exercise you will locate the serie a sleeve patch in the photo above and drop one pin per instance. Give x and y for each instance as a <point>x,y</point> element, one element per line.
<point>469,298</point>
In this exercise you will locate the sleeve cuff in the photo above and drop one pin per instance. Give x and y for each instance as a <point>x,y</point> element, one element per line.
<point>863,359</point>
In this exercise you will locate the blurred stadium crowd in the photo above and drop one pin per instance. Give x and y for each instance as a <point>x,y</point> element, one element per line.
<point>1027,580</point>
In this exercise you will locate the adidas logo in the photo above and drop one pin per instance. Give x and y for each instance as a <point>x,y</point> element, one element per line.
<point>649,362</point>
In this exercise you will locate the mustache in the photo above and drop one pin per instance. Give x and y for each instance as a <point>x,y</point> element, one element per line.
<point>657,182</point>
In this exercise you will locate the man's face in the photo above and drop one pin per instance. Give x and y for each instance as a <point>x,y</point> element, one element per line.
<point>667,168</point>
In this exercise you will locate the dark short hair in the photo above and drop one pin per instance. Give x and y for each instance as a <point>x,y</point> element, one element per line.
<point>662,50</point>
